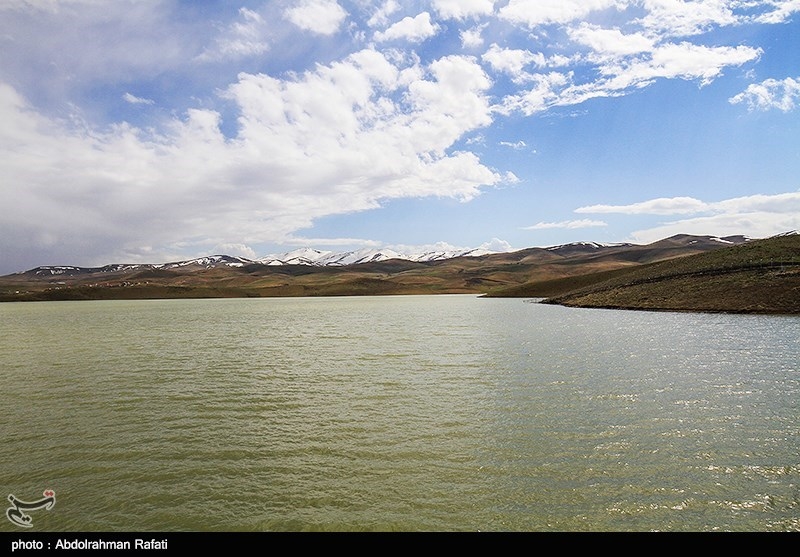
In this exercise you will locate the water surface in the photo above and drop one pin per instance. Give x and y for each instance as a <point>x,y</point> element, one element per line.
<point>412,413</point>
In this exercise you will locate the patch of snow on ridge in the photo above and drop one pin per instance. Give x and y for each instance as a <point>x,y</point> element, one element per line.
<point>57,270</point>
<point>209,261</point>
<point>365,255</point>
<point>301,256</point>
<point>593,245</point>
<point>441,255</point>
<point>310,256</point>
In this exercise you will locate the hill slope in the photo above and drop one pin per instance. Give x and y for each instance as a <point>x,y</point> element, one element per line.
<point>761,276</point>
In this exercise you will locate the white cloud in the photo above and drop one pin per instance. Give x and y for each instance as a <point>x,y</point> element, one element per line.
<point>381,15</point>
<point>620,76</point>
<point>682,61</point>
<point>246,37</point>
<point>512,61</point>
<point>567,224</point>
<point>546,92</point>
<point>413,29</point>
<point>338,139</point>
<point>757,216</point>
<point>779,203</point>
<point>681,18</point>
<point>619,62</point>
<point>323,17</point>
<point>237,250</point>
<point>753,225</point>
<point>784,203</point>
<point>133,99</point>
<point>517,145</point>
<point>342,136</point>
<point>496,244</point>
<point>611,42</point>
<point>783,10</point>
<point>771,93</point>
<point>463,9</point>
<point>472,38</point>
<point>660,206</point>
<point>540,12</point>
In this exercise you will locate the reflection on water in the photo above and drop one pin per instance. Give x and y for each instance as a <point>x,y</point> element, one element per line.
<point>444,413</point>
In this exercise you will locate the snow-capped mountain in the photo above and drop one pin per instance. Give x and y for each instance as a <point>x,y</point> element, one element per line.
<point>310,256</point>
<point>203,262</point>
<point>207,262</point>
<point>584,245</point>
<point>301,256</point>
<point>440,255</point>
<point>319,258</point>
<point>359,256</point>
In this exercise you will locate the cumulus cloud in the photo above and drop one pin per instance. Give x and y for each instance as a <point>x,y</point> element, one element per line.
<point>342,132</point>
<point>238,250</point>
<point>330,141</point>
<point>681,18</point>
<point>770,93</point>
<point>323,17</point>
<point>611,42</point>
<point>473,37</point>
<point>381,15</point>
<point>462,9</point>
<point>496,244</point>
<point>413,29</point>
<point>541,12</point>
<point>512,61</point>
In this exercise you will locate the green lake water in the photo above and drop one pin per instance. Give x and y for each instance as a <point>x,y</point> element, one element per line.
<point>401,413</point>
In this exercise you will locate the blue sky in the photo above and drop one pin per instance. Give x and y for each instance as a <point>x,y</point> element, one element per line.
<point>157,130</point>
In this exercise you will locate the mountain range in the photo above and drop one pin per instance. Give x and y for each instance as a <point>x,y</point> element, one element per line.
<point>317,258</point>
<point>309,272</point>
<point>301,256</point>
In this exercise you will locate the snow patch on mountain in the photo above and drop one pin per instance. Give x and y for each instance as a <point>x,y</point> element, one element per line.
<point>587,245</point>
<point>207,262</point>
<point>310,256</point>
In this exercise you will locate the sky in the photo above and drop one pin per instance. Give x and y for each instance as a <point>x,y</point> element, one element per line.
<point>147,131</point>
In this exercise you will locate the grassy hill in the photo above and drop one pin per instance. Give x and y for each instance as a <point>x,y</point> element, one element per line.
<point>762,276</point>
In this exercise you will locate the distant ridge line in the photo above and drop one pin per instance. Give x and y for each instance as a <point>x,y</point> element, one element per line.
<point>318,258</point>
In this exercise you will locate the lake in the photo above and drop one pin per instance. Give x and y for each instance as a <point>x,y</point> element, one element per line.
<point>399,413</point>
